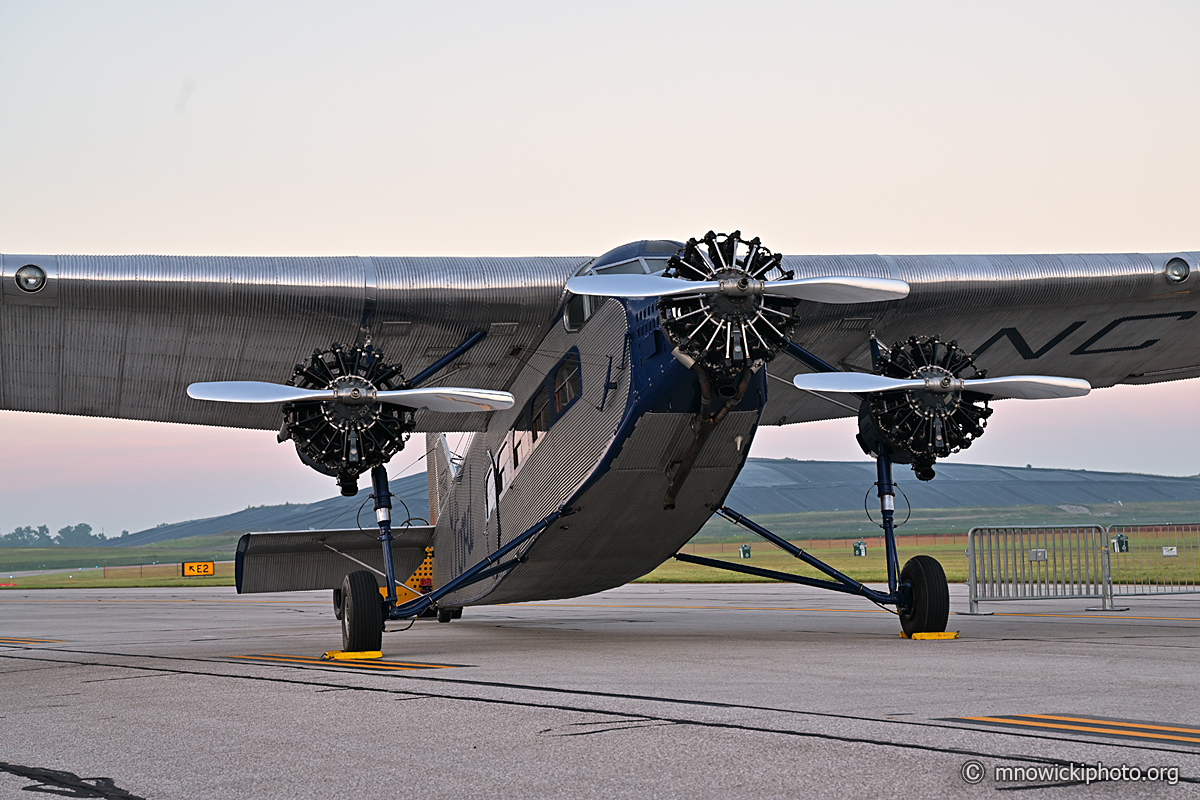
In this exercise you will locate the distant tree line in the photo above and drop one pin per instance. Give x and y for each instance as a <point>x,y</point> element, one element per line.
<point>71,536</point>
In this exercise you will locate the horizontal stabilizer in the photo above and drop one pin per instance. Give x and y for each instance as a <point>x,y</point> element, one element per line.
<point>296,561</point>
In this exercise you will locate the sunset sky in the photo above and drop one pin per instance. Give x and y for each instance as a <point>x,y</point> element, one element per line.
<point>506,128</point>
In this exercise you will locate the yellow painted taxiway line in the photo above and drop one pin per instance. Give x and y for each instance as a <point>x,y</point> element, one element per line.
<point>1140,725</point>
<point>1096,616</point>
<point>1083,728</point>
<point>308,660</point>
<point>10,640</point>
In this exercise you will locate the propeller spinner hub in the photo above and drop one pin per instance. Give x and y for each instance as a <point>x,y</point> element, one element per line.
<point>353,390</point>
<point>739,297</point>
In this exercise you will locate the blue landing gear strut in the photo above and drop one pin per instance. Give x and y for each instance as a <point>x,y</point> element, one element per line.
<point>919,591</point>
<point>383,517</point>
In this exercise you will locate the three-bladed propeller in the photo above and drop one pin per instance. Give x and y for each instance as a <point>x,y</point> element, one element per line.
<point>445,399</point>
<point>819,290</point>
<point>1022,387</point>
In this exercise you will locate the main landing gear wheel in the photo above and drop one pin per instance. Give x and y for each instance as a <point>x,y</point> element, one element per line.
<point>362,613</point>
<point>337,603</point>
<point>930,606</point>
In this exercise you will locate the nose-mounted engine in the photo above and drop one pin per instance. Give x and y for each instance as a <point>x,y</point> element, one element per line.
<point>738,323</point>
<point>351,432</point>
<point>921,425</point>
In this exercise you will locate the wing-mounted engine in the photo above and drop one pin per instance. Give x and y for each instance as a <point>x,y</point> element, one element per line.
<point>926,399</point>
<point>349,410</point>
<point>742,322</point>
<point>351,432</point>
<point>921,425</point>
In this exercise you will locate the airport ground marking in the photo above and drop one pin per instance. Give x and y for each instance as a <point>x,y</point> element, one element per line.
<point>12,640</point>
<point>1119,723</point>
<point>387,666</point>
<point>1025,721</point>
<point>1095,616</point>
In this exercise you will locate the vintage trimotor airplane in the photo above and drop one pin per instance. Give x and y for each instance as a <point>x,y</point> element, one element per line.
<point>618,396</point>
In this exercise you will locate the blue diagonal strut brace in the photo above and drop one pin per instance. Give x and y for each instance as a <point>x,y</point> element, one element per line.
<point>436,367</point>
<point>492,565</point>
<point>840,583</point>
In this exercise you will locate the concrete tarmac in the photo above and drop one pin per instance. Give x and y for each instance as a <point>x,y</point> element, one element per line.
<point>647,691</point>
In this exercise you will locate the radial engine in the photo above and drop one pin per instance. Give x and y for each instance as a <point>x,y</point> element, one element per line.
<point>351,432</point>
<point>921,425</point>
<point>739,324</point>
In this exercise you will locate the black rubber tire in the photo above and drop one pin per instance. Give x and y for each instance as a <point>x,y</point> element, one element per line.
<point>930,609</point>
<point>445,614</point>
<point>456,613</point>
<point>362,613</point>
<point>337,603</point>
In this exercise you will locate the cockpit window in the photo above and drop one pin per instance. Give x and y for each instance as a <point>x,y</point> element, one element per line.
<point>648,256</point>
<point>632,267</point>
<point>579,309</point>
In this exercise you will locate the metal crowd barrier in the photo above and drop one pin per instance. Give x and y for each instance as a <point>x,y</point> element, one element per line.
<point>1081,561</point>
<point>1154,559</point>
<point>1036,563</point>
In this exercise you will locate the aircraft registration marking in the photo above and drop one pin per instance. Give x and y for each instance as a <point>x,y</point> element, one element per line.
<point>373,664</point>
<point>1116,728</point>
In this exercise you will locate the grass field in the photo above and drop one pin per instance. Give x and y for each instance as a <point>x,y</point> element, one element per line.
<point>828,534</point>
<point>123,577</point>
<point>196,548</point>
<point>871,568</point>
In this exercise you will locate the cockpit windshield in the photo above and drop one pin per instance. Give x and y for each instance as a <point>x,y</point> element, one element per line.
<point>648,256</point>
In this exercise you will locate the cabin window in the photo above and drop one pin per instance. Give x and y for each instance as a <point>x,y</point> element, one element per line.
<point>491,490</point>
<point>567,384</point>
<point>538,416</point>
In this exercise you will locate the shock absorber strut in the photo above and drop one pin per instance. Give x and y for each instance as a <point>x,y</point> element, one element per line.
<point>383,517</point>
<point>887,498</point>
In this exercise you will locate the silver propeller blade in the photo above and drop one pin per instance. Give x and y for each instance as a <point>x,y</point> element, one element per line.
<point>448,399</point>
<point>1022,387</point>
<point>840,290</point>
<point>819,290</point>
<point>637,286</point>
<point>254,392</point>
<point>1030,387</point>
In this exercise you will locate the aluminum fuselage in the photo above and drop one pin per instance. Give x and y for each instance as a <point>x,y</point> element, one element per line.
<point>607,453</point>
